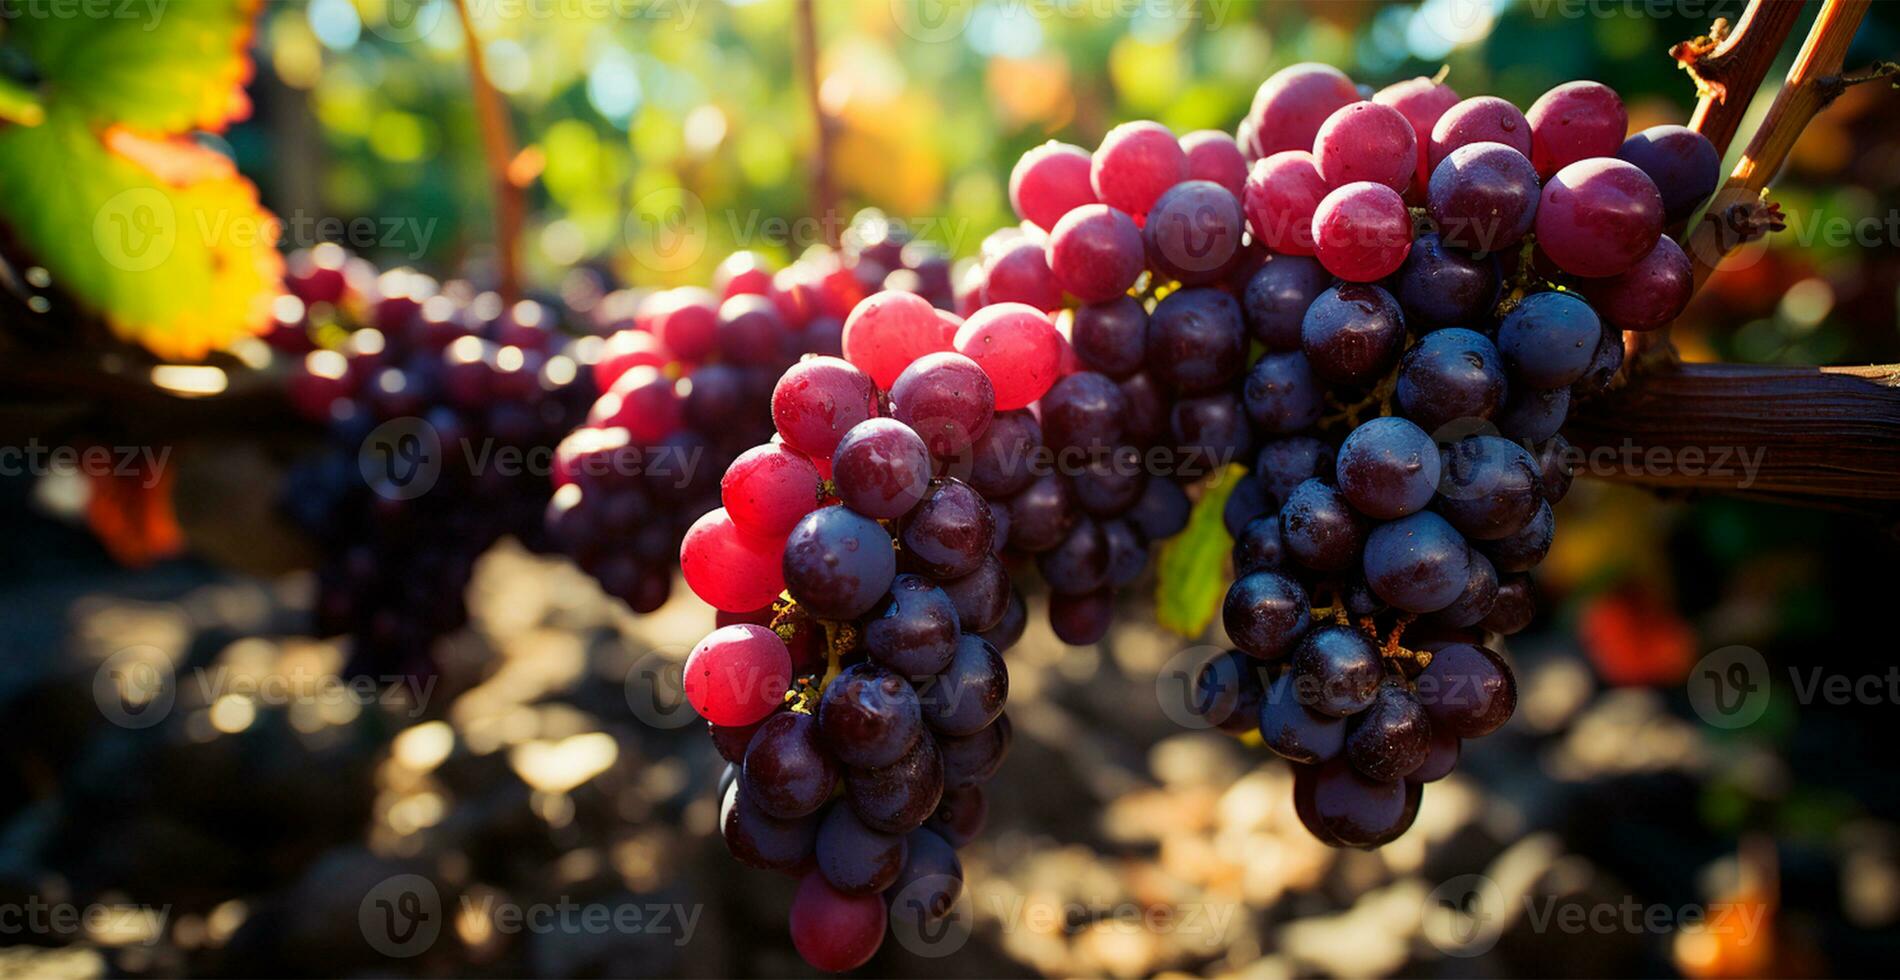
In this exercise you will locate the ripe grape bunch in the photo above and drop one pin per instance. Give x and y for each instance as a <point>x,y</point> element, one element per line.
<point>863,710</point>
<point>400,521</point>
<point>685,384</point>
<point>1445,278</point>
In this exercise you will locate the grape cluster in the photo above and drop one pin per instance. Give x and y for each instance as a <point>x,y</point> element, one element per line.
<point>1445,278</point>
<point>424,389</point>
<point>862,710</point>
<point>685,386</point>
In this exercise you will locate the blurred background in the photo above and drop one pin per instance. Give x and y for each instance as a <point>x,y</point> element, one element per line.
<point>188,788</point>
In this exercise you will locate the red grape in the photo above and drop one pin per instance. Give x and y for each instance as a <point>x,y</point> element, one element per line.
<point>688,322</point>
<point>1650,294</point>
<point>737,675</point>
<point>1283,191</point>
<point>626,350</point>
<point>1362,232</point>
<point>768,488</point>
<point>1095,252</point>
<point>1367,141</point>
<point>1017,347</point>
<point>1421,101</point>
<point>948,399</point>
<point>1599,217</point>
<point>1484,119</point>
<point>1134,164</point>
<point>644,402</point>
<point>834,931</point>
<point>1020,273</point>
<point>1575,121</point>
<point>728,568</point>
<point>818,400</point>
<point>1289,107</point>
<point>1213,155</point>
<point>1050,181</point>
<point>887,331</point>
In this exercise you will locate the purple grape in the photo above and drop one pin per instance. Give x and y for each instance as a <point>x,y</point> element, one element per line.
<point>1514,607</point>
<point>1196,340</point>
<point>1483,197</point>
<point>854,858</point>
<point>1353,333</point>
<point>914,630</point>
<point>1441,757</point>
<point>1450,375</point>
<point>950,532</point>
<point>1336,671</point>
<point>1277,296</point>
<point>1002,461</point>
<point>1417,563</point>
<point>1080,620</point>
<point>1079,563</point>
<point>970,760</point>
<point>960,816</point>
<point>1010,628</point>
<point>1441,287</point>
<point>927,888</point>
<point>1490,487</point>
<point>881,468</point>
<point>1682,163</point>
<point>869,716</point>
<point>1111,337</point>
<point>1227,692</point>
<point>1247,501</point>
<point>1211,429</point>
<point>898,798</point>
<point>1095,252</point>
<point>1467,690</point>
<point>787,771</point>
<point>1353,811</point>
<point>1525,549</point>
<point>1257,547</point>
<point>838,563</point>
<point>980,597</point>
<point>969,694</point>
<point>1534,414</point>
<point>1265,613</point>
<point>1477,597</point>
<point>1388,468</point>
<point>1083,411</point>
<point>759,840</point>
<point>947,399</point>
<point>1548,340</point>
<point>1040,516</point>
<point>1319,527</point>
<point>1162,512</point>
<point>1286,463</point>
<point>1127,553</point>
<point>1294,731</point>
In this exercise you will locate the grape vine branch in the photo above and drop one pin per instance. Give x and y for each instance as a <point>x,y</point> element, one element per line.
<point>1826,436</point>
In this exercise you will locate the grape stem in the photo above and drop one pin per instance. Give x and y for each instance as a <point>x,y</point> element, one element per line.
<point>1813,82</point>
<point>498,149</point>
<point>824,195</point>
<point>1729,64</point>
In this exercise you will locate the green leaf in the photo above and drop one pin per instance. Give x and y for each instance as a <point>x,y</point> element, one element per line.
<point>158,68</point>
<point>1192,576</point>
<point>162,237</point>
<point>19,105</point>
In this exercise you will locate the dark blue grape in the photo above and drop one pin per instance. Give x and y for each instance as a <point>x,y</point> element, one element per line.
<point>1604,365</point>
<point>1147,419</point>
<point>1534,414</point>
<point>1392,736</point>
<point>1010,628</point>
<point>1441,287</point>
<point>854,858</point>
<point>1210,430</point>
<point>1111,337</point>
<point>1192,231</point>
<point>1196,340</point>
<point>1467,690</point>
<point>1265,613</point>
<point>1127,553</point>
<point>1227,692</point>
<point>1319,527</point>
<point>950,532</point>
<point>1286,463</point>
<point>1448,375</point>
<point>1388,468</point>
<point>1682,163</point>
<point>1418,563</point>
<point>1549,339</point>
<point>1083,411</point>
<point>1162,512</point>
<point>1353,333</point>
<point>970,693</point>
<point>1040,516</point>
<point>1079,563</point>
<point>1282,394</point>
<point>1336,671</point>
<point>1109,484</point>
<point>980,597</point>
<point>787,771</point>
<point>970,760</point>
<point>1554,465</point>
<point>838,563</point>
<point>1294,731</point>
<point>1277,296</point>
<point>869,716</point>
<point>1525,549</point>
<point>914,630</point>
<point>898,798</point>
<point>1489,488</point>
<point>1247,501</point>
<point>1257,548</point>
<point>1474,602</point>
